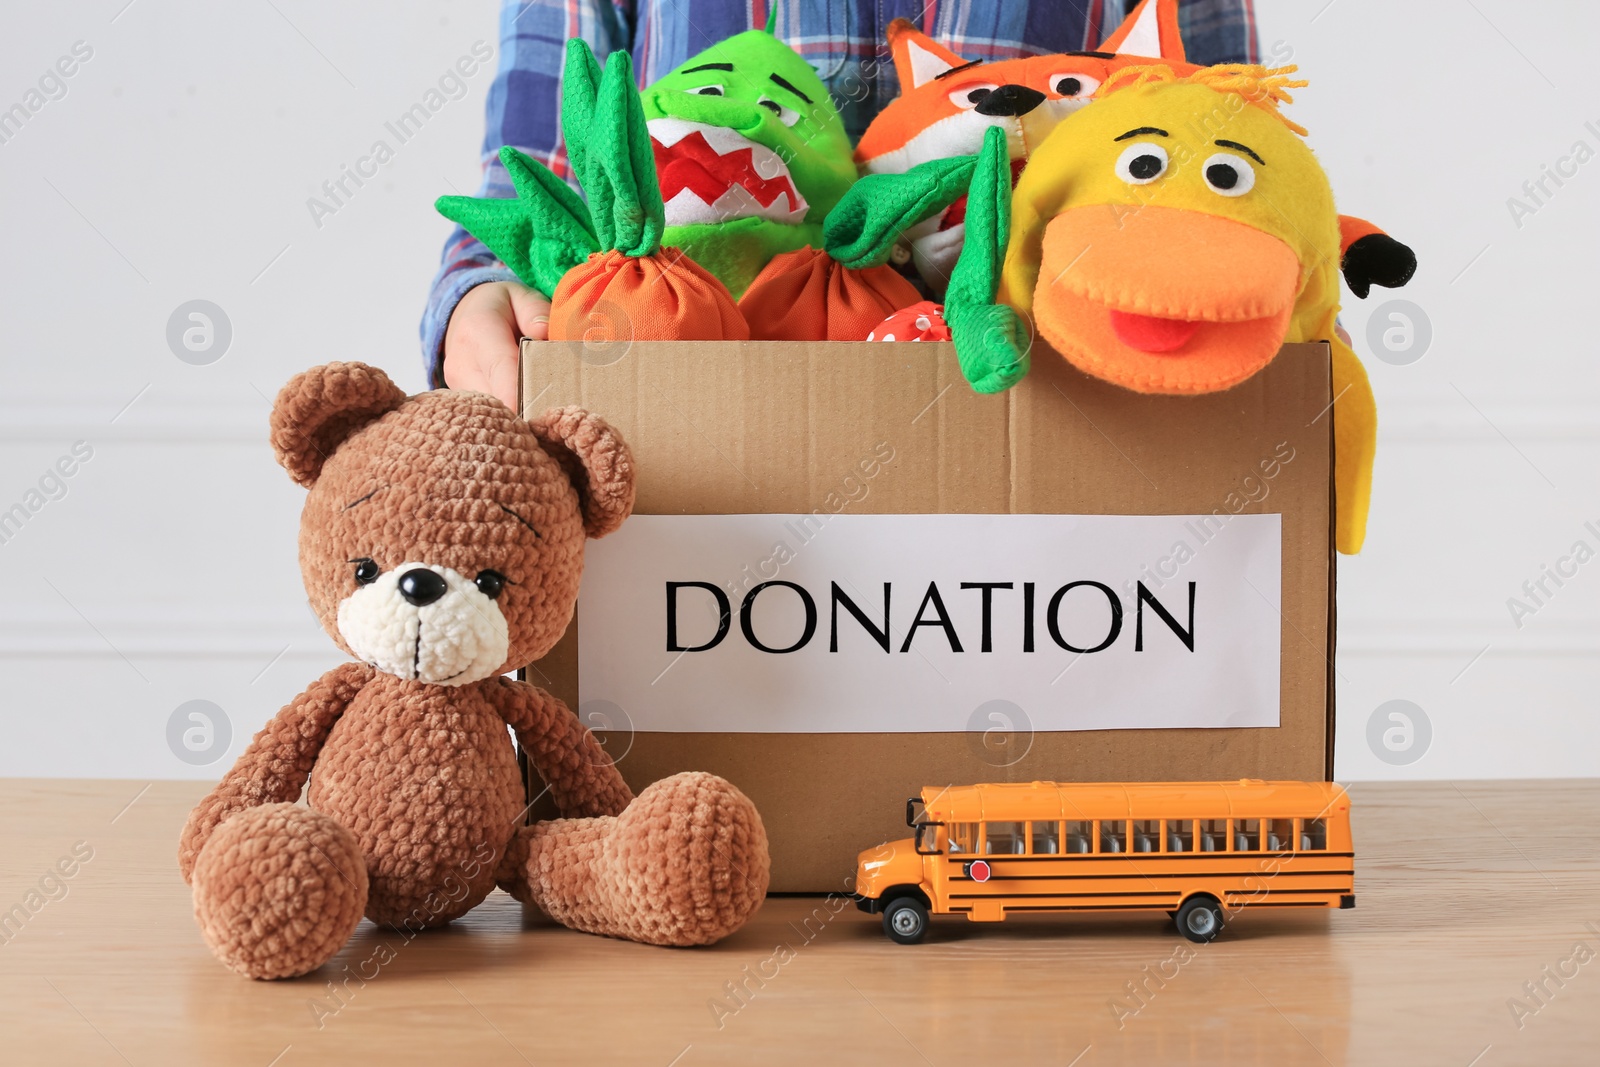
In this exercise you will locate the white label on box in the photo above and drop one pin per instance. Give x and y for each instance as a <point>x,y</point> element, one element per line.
<point>928,623</point>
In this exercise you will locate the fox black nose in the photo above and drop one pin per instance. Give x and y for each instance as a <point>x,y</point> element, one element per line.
<point>1010,100</point>
<point>422,586</point>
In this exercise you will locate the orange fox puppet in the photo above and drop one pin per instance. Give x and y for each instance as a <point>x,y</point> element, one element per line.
<point>946,104</point>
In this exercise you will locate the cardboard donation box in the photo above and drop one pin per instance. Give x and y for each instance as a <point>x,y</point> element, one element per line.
<point>848,576</point>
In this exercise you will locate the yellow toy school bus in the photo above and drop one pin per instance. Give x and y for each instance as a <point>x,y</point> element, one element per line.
<point>1196,850</point>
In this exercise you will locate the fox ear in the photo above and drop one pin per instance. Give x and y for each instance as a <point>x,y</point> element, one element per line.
<point>918,58</point>
<point>1150,30</point>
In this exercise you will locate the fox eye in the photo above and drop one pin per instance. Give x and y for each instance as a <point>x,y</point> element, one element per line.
<point>367,570</point>
<point>1074,86</point>
<point>708,90</point>
<point>1228,175</point>
<point>970,96</point>
<point>1142,163</point>
<point>490,584</point>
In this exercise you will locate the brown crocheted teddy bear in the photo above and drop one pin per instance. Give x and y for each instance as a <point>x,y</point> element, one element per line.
<point>441,544</point>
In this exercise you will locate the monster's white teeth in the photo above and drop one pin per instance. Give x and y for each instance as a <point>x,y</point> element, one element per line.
<point>722,139</point>
<point>765,169</point>
<point>688,209</point>
<point>668,132</point>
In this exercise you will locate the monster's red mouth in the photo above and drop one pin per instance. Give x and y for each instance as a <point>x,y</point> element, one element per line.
<point>712,174</point>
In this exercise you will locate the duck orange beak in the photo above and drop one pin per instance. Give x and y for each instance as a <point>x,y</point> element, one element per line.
<point>1164,300</point>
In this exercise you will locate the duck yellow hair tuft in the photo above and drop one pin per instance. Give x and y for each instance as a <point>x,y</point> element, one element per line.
<point>1265,87</point>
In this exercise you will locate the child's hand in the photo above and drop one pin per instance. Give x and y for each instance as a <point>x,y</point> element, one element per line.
<point>480,344</point>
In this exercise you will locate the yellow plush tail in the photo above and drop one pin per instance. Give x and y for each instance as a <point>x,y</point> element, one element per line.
<point>1355,442</point>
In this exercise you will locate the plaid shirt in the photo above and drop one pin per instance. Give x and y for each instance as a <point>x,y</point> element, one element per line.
<point>843,39</point>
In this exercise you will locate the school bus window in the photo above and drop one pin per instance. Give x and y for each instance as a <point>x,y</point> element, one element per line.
<point>1045,838</point>
<point>927,837</point>
<point>1079,833</point>
<point>1180,835</point>
<point>1280,835</point>
<point>1313,834</point>
<point>1147,835</point>
<point>1114,836</point>
<point>1213,835</point>
<point>963,836</point>
<point>1005,839</point>
<point>1246,835</point>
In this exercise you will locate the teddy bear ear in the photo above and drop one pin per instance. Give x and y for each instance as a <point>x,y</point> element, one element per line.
<point>321,407</point>
<point>596,459</point>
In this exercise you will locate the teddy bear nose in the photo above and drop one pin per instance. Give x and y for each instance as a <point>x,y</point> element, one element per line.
<point>422,586</point>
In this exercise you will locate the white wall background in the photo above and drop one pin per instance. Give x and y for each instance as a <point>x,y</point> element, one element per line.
<point>177,167</point>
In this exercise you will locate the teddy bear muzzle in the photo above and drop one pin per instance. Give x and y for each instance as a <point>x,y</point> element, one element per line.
<point>425,623</point>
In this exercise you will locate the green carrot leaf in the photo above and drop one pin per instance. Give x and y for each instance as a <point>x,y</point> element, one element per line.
<point>541,234</point>
<point>976,276</point>
<point>580,89</point>
<point>991,339</point>
<point>620,145</point>
<point>864,225</point>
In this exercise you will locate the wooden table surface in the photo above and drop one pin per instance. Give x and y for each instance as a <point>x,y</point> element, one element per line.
<point>1473,899</point>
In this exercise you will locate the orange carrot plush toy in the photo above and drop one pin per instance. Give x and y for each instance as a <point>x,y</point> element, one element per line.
<point>808,295</point>
<point>607,273</point>
<point>843,290</point>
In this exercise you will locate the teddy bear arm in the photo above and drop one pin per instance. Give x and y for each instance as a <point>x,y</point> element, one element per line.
<point>275,766</point>
<point>582,779</point>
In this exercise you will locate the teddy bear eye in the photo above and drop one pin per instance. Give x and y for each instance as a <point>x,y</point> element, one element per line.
<point>490,583</point>
<point>367,570</point>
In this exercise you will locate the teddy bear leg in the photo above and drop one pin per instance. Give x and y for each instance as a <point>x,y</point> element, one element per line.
<point>685,864</point>
<point>278,890</point>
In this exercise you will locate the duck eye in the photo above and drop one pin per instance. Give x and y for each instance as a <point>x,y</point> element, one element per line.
<point>490,583</point>
<point>1142,163</point>
<point>709,90</point>
<point>1229,175</point>
<point>367,570</point>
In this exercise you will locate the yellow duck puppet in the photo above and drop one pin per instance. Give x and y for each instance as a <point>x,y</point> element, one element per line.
<point>1172,237</point>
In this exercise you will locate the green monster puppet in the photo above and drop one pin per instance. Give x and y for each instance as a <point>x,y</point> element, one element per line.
<point>750,153</point>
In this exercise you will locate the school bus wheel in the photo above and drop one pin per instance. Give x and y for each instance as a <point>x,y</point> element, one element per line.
<point>905,920</point>
<point>1200,918</point>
